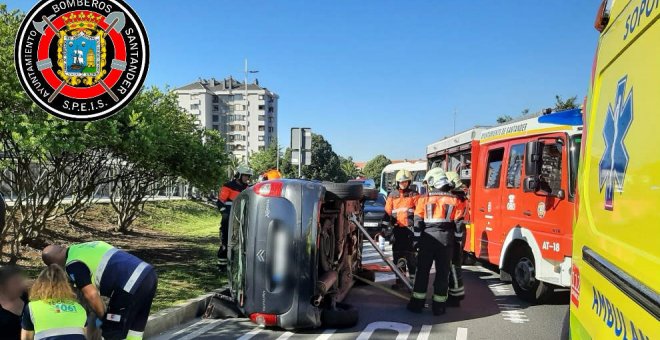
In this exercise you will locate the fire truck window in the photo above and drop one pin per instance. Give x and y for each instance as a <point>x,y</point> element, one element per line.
<point>515,165</point>
<point>494,168</point>
<point>551,171</point>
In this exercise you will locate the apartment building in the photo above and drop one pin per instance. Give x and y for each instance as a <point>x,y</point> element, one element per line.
<point>246,116</point>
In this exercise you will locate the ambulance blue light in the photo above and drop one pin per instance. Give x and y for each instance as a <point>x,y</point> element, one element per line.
<point>567,117</point>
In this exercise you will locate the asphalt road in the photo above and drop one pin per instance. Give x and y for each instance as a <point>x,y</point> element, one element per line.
<point>490,311</point>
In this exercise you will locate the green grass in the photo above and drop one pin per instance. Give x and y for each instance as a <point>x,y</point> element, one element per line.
<point>190,269</point>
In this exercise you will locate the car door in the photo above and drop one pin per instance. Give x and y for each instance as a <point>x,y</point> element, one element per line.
<point>488,200</point>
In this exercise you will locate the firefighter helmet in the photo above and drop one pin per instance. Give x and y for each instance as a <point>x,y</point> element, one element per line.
<point>455,179</point>
<point>271,174</point>
<point>243,170</point>
<point>437,178</point>
<point>403,175</point>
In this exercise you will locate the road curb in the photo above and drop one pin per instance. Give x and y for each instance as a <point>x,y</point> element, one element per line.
<point>171,317</point>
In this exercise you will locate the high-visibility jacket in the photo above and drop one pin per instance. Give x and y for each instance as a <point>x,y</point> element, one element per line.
<point>52,319</point>
<point>400,206</point>
<point>125,270</point>
<point>229,191</point>
<point>439,209</point>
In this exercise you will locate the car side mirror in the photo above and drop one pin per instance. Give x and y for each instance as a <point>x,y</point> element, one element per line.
<point>561,194</point>
<point>534,158</point>
<point>531,184</point>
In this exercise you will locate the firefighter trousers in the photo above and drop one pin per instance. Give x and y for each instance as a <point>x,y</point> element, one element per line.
<point>403,250</point>
<point>456,288</point>
<point>224,237</point>
<point>435,247</point>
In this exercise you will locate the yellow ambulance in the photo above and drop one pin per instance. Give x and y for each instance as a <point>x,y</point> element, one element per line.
<point>616,240</point>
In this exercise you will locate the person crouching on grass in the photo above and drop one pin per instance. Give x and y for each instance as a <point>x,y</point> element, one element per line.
<point>53,311</point>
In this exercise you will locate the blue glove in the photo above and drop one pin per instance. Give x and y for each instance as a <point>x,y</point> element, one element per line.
<point>98,322</point>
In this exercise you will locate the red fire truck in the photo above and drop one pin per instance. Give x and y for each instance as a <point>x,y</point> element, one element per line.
<point>522,190</point>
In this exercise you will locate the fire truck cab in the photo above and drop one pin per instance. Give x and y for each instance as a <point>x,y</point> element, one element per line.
<point>522,200</point>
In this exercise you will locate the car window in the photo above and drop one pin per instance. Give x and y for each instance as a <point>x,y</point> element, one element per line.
<point>494,168</point>
<point>551,171</point>
<point>514,170</point>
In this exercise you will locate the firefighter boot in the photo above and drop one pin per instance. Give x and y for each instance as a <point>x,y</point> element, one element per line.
<point>439,308</point>
<point>415,305</point>
<point>454,301</point>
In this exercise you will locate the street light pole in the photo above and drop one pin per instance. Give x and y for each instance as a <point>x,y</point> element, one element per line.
<point>247,112</point>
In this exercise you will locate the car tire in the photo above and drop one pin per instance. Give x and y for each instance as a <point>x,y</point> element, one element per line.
<point>523,277</point>
<point>370,194</point>
<point>344,191</point>
<point>343,316</point>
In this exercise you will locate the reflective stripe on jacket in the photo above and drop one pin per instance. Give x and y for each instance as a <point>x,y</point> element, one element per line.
<point>400,206</point>
<point>439,209</point>
<point>229,191</point>
<point>52,319</point>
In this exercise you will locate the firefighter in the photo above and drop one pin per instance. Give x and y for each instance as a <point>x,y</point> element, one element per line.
<point>436,214</point>
<point>227,195</point>
<point>456,288</point>
<point>400,207</point>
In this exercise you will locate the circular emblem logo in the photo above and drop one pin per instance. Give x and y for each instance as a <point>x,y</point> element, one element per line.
<point>82,59</point>
<point>540,209</point>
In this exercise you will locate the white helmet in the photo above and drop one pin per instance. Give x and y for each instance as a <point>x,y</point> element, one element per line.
<point>243,170</point>
<point>437,178</point>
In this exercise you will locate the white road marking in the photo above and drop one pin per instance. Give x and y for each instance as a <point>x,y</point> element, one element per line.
<point>461,333</point>
<point>425,332</point>
<point>285,336</point>
<point>190,334</point>
<point>403,329</point>
<point>251,334</point>
<point>326,334</point>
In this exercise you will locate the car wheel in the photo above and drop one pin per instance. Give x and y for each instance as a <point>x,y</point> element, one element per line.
<point>344,191</point>
<point>523,274</point>
<point>342,316</point>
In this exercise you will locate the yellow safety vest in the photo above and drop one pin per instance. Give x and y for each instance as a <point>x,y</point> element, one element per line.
<point>57,318</point>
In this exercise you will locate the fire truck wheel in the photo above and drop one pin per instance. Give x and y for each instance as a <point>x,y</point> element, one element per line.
<point>525,283</point>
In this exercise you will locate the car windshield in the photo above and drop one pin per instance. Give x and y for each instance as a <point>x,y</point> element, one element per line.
<point>576,142</point>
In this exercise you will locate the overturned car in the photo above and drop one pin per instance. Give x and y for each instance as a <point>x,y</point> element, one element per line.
<point>293,252</point>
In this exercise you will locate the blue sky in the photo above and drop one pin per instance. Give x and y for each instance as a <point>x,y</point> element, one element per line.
<point>379,76</point>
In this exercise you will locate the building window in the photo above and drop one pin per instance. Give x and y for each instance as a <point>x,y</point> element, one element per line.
<point>194,106</point>
<point>216,99</point>
<point>262,118</point>
<point>270,109</point>
<point>215,118</point>
<point>514,171</point>
<point>261,138</point>
<point>216,108</point>
<point>262,107</point>
<point>494,168</point>
<point>216,127</point>
<point>239,107</point>
<point>271,129</point>
<point>262,148</point>
<point>270,119</point>
<point>238,97</point>
<point>551,171</point>
<point>262,128</point>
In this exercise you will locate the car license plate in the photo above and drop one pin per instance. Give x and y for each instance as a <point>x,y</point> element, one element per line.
<point>370,224</point>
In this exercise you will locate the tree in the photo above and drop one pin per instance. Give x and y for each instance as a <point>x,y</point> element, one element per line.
<point>568,104</point>
<point>525,112</point>
<point>375,166</point>
<point>503,119</point>
<point>264,160</point>
<point>349,168</point>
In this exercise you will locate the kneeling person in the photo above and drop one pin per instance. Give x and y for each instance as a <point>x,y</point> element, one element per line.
<point>53,311</point>
<point>99,269</point>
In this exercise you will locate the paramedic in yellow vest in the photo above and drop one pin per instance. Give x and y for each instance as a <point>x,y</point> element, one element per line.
<point>99,269</point>
<point>53,312</point>
<point>435,215</point>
